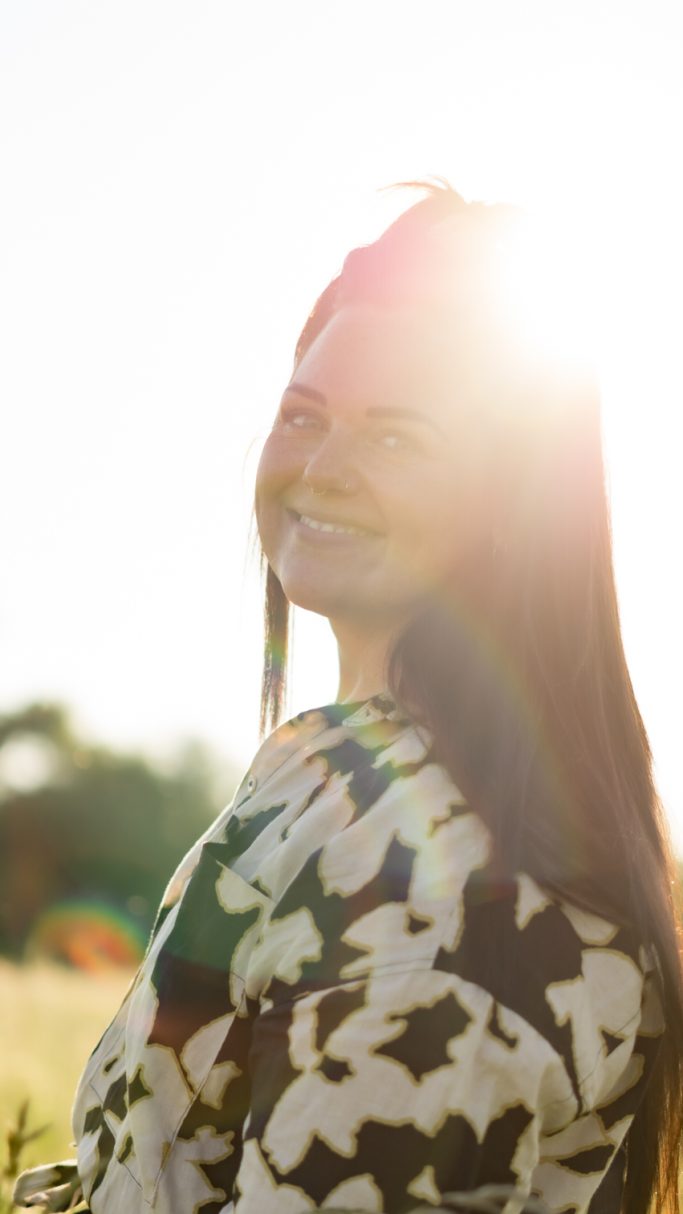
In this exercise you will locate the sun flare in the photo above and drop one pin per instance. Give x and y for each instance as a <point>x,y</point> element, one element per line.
<point>550,292</point>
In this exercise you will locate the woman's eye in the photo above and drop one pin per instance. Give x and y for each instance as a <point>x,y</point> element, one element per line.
<point>393,440</point>
<point>299,419</point>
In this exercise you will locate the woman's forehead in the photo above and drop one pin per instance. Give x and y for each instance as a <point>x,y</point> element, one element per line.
<point>365,352</point>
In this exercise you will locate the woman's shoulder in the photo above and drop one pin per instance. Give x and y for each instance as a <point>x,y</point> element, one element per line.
<point>579,978</point>
<point>390,843</point>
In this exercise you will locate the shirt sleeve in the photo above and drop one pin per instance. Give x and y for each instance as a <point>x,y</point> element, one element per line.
<point>54,1187</point>
<point>517,1057</point>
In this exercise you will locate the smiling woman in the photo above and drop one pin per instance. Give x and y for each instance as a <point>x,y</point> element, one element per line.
<point>431,945</point>
<point>354,476</point>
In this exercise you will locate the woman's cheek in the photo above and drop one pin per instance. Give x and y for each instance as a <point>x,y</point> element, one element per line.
<point>271,464</point>
<point>431,524</point>
<point>271,480</point>
<point>278,468</point>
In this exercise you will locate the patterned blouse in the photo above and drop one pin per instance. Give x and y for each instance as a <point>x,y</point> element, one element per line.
<point>339,1008</point>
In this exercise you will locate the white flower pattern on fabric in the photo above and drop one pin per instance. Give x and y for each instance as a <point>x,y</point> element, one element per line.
<point>340,1005</point>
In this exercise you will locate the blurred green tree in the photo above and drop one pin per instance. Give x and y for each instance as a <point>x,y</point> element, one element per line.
<point>81,821</point>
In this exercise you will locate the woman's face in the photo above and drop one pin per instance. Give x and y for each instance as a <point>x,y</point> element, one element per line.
<point>370,483</point>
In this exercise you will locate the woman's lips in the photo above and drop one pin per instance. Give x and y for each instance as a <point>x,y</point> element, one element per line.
<point>330,528</point>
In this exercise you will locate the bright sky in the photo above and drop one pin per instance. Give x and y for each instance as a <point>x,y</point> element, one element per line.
<point>180,182</point>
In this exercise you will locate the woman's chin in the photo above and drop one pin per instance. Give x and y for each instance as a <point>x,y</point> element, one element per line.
<point>337,604</point>
<point>320,600</point>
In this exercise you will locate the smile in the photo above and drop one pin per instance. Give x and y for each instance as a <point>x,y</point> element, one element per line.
<point>330,528</point>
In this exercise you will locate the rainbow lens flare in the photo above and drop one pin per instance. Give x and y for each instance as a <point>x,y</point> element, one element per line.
<point>88,933</point>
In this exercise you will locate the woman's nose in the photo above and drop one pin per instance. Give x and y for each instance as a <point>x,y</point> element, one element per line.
<point>332,467</point>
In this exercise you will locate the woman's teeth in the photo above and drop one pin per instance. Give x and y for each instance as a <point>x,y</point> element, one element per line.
<point>315,525</point>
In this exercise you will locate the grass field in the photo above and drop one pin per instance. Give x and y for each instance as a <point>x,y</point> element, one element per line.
<point>50,1019</point>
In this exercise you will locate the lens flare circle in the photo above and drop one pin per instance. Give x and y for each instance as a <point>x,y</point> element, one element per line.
<point>87,933</point>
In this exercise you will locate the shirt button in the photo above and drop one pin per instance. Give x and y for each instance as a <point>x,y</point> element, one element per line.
<point>251,784</point>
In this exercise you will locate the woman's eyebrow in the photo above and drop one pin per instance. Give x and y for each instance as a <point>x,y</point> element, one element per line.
<point>304,390</point>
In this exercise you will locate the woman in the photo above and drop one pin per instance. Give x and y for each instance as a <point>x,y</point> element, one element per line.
<point>431,945</point>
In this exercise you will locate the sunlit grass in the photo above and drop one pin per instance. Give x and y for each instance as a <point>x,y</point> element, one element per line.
<point>50,1020</point>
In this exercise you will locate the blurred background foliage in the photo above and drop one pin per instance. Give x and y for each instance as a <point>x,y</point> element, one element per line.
<point>89,837</point>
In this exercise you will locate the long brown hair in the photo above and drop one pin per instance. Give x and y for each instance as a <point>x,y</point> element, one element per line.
<point>521,674</point>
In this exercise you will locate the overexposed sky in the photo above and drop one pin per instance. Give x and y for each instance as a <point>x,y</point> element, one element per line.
<point>180,180</point>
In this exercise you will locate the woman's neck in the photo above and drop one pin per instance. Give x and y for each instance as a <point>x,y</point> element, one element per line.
<point>363,660</point>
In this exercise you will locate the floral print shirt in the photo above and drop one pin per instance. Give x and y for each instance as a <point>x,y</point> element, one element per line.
<point>340,1008</point>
